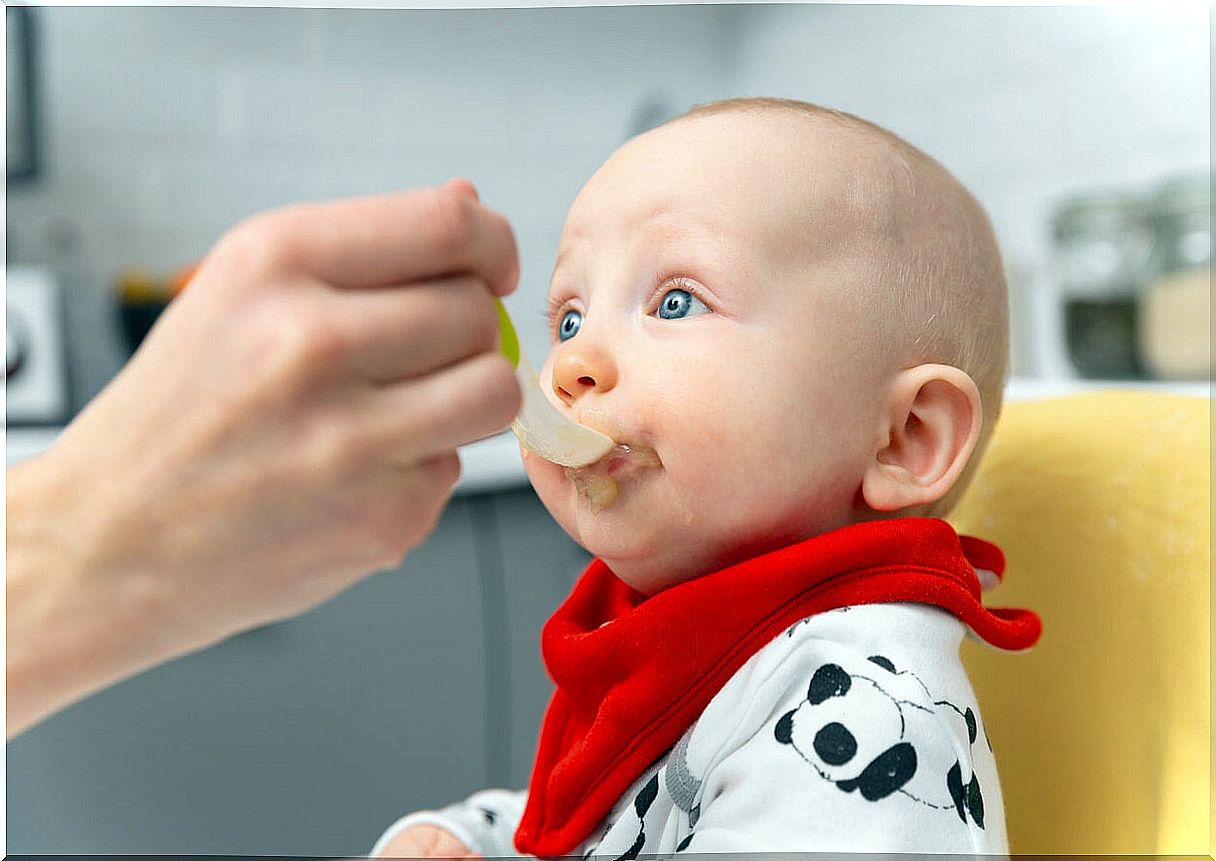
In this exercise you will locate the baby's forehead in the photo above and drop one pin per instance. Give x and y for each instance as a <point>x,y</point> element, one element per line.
<point>798,180</point>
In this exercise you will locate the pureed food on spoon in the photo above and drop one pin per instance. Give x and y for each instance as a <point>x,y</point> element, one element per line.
<point>594,462</point>
<point>540,426</point>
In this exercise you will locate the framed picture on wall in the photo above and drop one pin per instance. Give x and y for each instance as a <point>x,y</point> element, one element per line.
<point>21,124</point>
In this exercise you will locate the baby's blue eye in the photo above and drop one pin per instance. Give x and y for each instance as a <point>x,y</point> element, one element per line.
<point>572,321</point>
<point>680,303</point>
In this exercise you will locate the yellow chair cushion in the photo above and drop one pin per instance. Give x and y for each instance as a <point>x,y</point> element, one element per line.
<point>1102,504</point>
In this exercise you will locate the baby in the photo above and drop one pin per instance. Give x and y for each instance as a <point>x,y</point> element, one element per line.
<point>793,324</point>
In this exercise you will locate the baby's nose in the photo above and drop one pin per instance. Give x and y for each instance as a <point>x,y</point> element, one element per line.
<point>581,371</point>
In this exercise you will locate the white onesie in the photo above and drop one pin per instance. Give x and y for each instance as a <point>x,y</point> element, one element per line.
<point>855,730</point>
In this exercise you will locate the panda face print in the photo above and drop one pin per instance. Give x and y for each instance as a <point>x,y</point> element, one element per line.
<point>824,730</point>
<point>876,731</point>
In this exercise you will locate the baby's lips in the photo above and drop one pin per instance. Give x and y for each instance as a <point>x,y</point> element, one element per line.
<point>632,446</point>
<point>602,422</point>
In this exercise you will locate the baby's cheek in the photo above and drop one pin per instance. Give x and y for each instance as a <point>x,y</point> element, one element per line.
<point>545,476</point>
<point>756,471</point>
<point>715,481</point>
<point>554,489</point>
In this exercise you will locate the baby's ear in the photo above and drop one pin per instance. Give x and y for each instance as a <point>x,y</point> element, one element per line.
<point>929,429</point>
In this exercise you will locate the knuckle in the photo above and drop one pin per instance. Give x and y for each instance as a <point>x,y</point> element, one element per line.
<point>506,259</point>
<point>268,242</point>
<point>498,389</point>
<point>443,470</point>
<point>500,224</point>
<point>407,536</point>
<point>482,319</point>
<point>395,527</point>
<point>305,342</point>
<point>387,536</point>
<point>292,332</point>
<point>438,476</point>
<point>328,449</point>
<point>239,248</point>
<point>285,239</point>
<point>454,218</point>
<point>275,345</point>
<point>326,344</point>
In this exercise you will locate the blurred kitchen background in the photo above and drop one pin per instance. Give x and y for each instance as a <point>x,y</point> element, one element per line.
<point>137,136</point>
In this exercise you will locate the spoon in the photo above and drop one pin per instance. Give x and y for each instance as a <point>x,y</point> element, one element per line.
<point>540,426</point>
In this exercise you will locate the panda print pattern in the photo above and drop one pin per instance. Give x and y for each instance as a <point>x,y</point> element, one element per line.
<point>855,730</point>
<point>859,729</point>
<point>641,804</point>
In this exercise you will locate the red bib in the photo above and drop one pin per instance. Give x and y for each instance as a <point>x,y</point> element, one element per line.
<point>628,690</point>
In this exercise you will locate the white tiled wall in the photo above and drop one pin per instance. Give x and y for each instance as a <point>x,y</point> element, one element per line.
<point>1024,105</point>
<point>167,125</point>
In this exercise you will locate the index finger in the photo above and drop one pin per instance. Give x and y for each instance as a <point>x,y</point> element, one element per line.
<point>403,237</point>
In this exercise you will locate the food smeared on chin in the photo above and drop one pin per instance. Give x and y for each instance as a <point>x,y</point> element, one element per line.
<point>599,490</point>
<point>600,483</point>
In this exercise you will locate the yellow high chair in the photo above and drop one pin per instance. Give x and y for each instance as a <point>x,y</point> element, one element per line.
<point>1102,733</point>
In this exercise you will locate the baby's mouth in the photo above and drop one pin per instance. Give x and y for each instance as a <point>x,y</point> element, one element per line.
<point>600,483</point>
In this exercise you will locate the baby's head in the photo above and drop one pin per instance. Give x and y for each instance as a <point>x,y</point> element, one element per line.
<point>790,318</point>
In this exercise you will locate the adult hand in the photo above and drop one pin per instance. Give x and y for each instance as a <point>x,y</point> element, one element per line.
<point>287,427</point>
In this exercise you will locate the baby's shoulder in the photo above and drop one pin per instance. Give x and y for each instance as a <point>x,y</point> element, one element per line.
<point>909,637</point>
<point>880,680</point>
<point>905,653</point>
<point>915,632</point>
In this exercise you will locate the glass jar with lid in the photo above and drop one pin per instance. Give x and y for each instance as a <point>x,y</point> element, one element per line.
<point>1175,313</point>
<point>1102,245</point>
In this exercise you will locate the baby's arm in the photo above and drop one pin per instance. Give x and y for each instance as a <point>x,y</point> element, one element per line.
<point>484,823</point>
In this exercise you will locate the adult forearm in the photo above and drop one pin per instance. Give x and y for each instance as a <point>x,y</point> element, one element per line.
<point>71,628</point>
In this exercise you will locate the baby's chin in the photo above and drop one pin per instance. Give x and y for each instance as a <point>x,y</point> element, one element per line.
<point>620,532</point>
<point>678,556</point>
<point>636,521</point>
<point>659,570</point>
<point>637,540</point>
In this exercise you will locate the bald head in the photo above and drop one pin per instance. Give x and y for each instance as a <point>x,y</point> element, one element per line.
<point>932,282</point>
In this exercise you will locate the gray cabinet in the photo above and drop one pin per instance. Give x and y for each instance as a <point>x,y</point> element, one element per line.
<point>308,737</point>
<point>537,564</point>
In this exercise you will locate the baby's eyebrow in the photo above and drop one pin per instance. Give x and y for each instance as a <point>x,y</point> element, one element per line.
<point>569,256</point>
<point>562,254</point>
<point>701,238</point>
